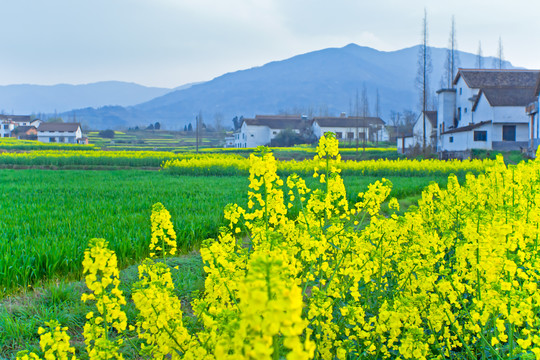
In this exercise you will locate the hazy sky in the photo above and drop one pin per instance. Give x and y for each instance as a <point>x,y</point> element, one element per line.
<point>168,43</point>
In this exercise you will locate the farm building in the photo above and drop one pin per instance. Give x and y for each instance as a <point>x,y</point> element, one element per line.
<point>263,128</point>
<point>60,132</point>
<point>486,109</point>
<point>351,128</point>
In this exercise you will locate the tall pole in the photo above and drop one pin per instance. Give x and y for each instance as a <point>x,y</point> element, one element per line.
<point>197,133</point>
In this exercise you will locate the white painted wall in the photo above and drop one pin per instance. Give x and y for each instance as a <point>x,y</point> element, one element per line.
<point>464,140</point>
<point>418,132</point>
<point>463,94</point>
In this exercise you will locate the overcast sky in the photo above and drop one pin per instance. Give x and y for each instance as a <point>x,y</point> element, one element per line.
<point>168,43</point>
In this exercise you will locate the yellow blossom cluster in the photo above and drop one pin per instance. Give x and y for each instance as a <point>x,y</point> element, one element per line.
<point>54,343</point>
<point>102,279</point>
<point>456,276</point>
<point>163,238</point>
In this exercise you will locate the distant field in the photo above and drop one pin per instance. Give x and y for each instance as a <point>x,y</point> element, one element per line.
<point>49,216</point>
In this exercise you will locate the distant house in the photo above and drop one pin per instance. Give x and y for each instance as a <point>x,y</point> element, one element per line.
<point>263,128</point>
<point>25,132</point>
<point>351,128</point>
<point>486,109</point>
<point>416,138</point>
<point>70,133</point>
<point>8,123</point>
<point>229,140</point>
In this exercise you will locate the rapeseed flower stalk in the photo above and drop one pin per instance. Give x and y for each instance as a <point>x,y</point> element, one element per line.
<point>102,279</point>
<point>54,342</point>
<point>159,322</point>
<point>163,240</point>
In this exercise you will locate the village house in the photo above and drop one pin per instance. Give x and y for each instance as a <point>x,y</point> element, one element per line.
<point>263,128</point>
<point>414,139</point>
<point>60,132</point>
<point>350,128</point>
<point>486,109</point>
<point>8,123</point>
<point>25,132</point>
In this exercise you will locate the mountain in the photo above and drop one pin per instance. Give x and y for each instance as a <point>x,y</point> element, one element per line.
<point>320,82</point>
<point>32,99</point>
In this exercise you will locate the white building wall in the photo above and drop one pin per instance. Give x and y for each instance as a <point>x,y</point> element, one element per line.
<point>483,111</point>
<point>70,137</point>
<point>522,132</point>
<point>253,136</point>
<point>463,94</point>
<point>510,114</point>
<point>6,129</point>
<point>418,132</point>
<point>464,140</point>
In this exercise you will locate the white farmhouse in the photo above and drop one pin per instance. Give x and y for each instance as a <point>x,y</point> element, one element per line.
<point>486,110</point>
<point>263,128</point>
<point>8,123</point>
<point>60,132</point>
<point>416,138</point>
<point>349,128</point>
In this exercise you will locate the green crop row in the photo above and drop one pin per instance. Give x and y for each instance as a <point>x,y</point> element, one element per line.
<point>49,216</point>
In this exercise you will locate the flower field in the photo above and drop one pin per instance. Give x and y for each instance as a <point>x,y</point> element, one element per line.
<point>303,273</point>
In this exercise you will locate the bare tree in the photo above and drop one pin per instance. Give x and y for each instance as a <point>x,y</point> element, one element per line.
<point>498,62</point>
<point>423,74</point>
<point>452,57</point>
<point>218,120</point>
<point>365,113</point>
<point>479,57</point>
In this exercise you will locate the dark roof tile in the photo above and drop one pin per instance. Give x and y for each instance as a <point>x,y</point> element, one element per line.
<point>51,126</point>
<point>348,122</point>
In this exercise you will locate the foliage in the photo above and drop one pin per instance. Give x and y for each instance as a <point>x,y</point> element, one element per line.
<point>108,134</point>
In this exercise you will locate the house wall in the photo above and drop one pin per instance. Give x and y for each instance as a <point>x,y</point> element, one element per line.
<point>463,94</point>
<point>253,136</point>
<point>446,110</point>
<point>418,132</point>
<point>6,129</point>
<point>510,114</point>
<point>483,111</point>
<point>404,143</point>
<point>320,131</point>
<point>464,140</point>
<point>70,137</point>
<point>522,132</point>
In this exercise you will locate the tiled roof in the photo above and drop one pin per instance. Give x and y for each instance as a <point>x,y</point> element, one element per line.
<point>510,96</point>
<point>278,122</point>
<point>432,117</point>
<point>467,128</point>
<point>16,118</point>
<point>51,126</point>
<point>490,78</point>
<point>348,122</point>
<point>23,129</point>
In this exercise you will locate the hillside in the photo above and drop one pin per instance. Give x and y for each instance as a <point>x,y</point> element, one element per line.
<point>33,99</point>
<point>319,82</point>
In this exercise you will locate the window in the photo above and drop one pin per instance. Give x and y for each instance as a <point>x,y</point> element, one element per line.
<point>339,135</point>
<point>274,132</point>
<point>480,135</point>
<point>460,91</point>
<point>6,127</point>
<point>458,114</point>
<point>252,135</point>
<point>61,139</point>
<point>52,139</point>
<point>465,110</point>
<point>509,133</point>
<point>6,135</point>
<point>451,139</point>
<point>350,135</point>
